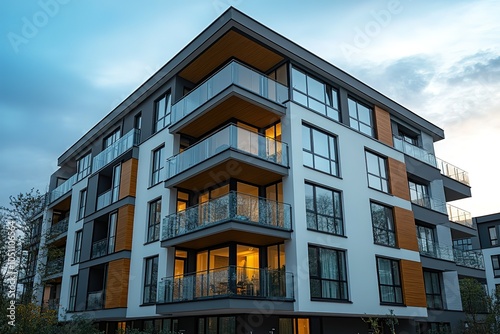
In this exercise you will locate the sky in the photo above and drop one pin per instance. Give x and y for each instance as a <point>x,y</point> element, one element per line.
<point>65,64</point>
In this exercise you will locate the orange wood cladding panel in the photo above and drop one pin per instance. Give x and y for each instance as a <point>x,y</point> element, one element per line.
<point>405,229</point>
<point>124,228</point>
<point>128,179</point>
<point>413,283</point>
<point>398,179</point>
<point>383,126</point>
<point>117,283</point>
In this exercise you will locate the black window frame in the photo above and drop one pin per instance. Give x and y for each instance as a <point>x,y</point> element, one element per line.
<point>333,161</point>
<point>313,216</point>
<point>384,230</point>
<point>78,246</point>
<point>112,138</point>
<point>151,284</point>
<point>342,286</point>
<point>157,165</point>
<point>382,180</point>
<point>82,201</point>
<point>154,220</point>
<point>84,166</point>
<point>493,235</point>
<point>354,122</point>
<point>394,286</point>
<point>73,290</point>
<point>162,118</point>
<point>495,266</point>
<point>433,290</point>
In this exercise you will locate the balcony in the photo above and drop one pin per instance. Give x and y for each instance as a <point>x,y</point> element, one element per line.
<point>51,304</point>
<point>54,266</point>
<point>59,228</point>
<point>435,250</point>
<point>428,202</point>
<point>235,74</point>
<point>99,248</point>
<point>119,147</point>
<point>460,216</point>
<point>453,172</point>
<point>414,151</point>
<point>234,216</point>
<point>62,189</point>
<point>228,282</point>
<point>469,258</point>
<point>95,300</point>
<point>104,199</point>
<point>208,159</point>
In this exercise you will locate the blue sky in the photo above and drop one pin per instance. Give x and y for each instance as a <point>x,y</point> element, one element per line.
<point>65,64</point>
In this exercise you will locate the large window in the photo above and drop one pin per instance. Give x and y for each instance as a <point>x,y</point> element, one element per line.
<point>383,225</point>
<point>315,95</point>
<point>158,165</point>
<point>115,190</point>
<point>327,273</point>
<point>463,244</point>
<point>419,194</point>
<point>150,280</point>
<point>376,167</point>
<point>360,117</point>
<point>72,293</point>
<point>320,150</point>
<point>81,203</point>
<point>83,166</point>
<point>111,139</point>
<point>213,325</point>
<point>492,232</point>
<point>389,281</point>
<point>78,246</point>
<point>162,112</point>
<point>433,290</point>
<point>324,210</point>
<point>154,220</point>
<point>495,261</point>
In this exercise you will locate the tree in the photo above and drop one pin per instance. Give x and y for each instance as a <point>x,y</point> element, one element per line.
<point>482,310</point>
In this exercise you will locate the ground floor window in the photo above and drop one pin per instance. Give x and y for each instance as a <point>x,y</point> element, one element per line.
<point>294,326</point>
<point>433,327</point>
<point>217,325</point>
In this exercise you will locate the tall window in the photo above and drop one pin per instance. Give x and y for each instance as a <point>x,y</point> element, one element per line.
<point>162,112</point>
<point>419,194</point>
<point>434,327</point>
<point>433,290</point>
<point>158,165</point>
<point>383,225</point>
<point>495,261</point>
<point>72,293</point>
<point>78,246</point>
<point>154,220</point>
<point>320,150</point>
<point>81,203</point>
<point>361,117</point>
<point>138,125</point>
<point>112,232</point>
<point>115,190</point>
<point>315,95</point>
<point>492,232</point>
<point>111,139</point>
<point>150,279</point>
<point>327,273</point>
<point>324,210</point>
<point>376,167</point>
<point>426,240</point>
<point>83,166</point>
<point>389,281</point>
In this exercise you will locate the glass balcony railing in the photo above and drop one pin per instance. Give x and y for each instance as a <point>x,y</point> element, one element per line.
<point>414,151</point>
<point>469,258</point>
<point>103,200</point>
<point>427,202</point>
<point>232,206</point>
<point>51,304</point>
<point>229,137</point>
<point>59,228</point>
<point>226,282</point>
<point>62,189</point>
<point>453,172</point>
<point>435,250</point>
<point>119,147</point>
<point>54,266</point>
<point>95,300</point>
<point>232,74</point>
<point>99,248</point>
<point>459,216</point>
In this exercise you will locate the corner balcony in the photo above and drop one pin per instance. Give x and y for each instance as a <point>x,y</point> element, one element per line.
<point>460,216</point>
<point>59,228</point>
<point>435,250</point>
<point>234,91</point>
<point>62,189</point>
<point>453,172</point>
<point>119,147</point>
<point>428,202</point>
<point>456,181</point>
<point>234,216</point>
<point>230,152</point>
<point>414,151</point>
<point>226,287</point>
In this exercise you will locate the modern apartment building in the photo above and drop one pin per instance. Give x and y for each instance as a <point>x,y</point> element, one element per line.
<point>489,230</point>
<point>249,186</point>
